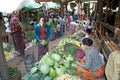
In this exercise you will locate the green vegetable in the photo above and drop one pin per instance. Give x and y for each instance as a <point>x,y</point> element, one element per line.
<point>56,65</point>
<point>56,57</point>
<point>67,64</point>
<point>48,78</point>
<point>44,42</point>
<point>71,71</point>
<point>27,76</point>
<point>29,35</point>
<point>71,49</point>
<point>33,70</point>
<point>12,71</point>
<point>74,65</point>
<point>52,73</point>
<point>9,48</point>
<point>66,41</point>
<point>49,62</point>
<point>44,58</point>
<point>44,68</point>
<point>33,41</point>
<point>60,71</point>
<point>70,58</point>
<point>81,34</point>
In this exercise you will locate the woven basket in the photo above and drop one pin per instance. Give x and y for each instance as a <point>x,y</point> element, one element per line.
<point>17,76</point>
<point>71,45</point>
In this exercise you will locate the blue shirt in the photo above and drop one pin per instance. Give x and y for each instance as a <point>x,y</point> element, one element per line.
<point>37,32</point>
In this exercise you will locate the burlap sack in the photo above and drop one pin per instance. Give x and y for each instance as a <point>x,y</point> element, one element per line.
<point>112,69</point>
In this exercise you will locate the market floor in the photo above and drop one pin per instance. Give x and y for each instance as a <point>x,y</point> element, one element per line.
<point>32,49</point>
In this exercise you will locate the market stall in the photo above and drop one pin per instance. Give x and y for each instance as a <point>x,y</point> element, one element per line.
<point>57,64</point>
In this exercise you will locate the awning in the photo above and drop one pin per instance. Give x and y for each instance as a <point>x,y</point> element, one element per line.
<point>31,4</point>
<point>8,6</point>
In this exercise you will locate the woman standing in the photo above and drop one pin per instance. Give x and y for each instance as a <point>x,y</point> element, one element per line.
<point>17,34</point>
<point>91,67</point>
<point>41,35</point>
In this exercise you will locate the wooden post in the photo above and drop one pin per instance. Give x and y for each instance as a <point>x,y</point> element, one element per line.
<point>117,26</point>
<point>106,13</point>
<point>100,8</point>
<point>3,63</point>
<point>95,14</point>
<point>118,17</point>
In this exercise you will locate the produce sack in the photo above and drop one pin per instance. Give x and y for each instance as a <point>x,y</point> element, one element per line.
<point>112,69</point>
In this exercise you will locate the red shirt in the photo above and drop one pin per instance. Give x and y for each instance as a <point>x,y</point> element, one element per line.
<point>42,33</point>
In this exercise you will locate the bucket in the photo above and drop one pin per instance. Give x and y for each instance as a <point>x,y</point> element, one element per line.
<point>29,61</point>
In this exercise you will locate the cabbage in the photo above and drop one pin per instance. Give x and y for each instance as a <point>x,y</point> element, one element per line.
<point>56,57</point>
<point>67,64</point>
<point>69,58</point>
<point>60,71</point>
<point>74,65</point>
<point>44,58</point>
<point>44,68</point>
<point>33,70</point>
<point>49,62</point>
<point>48,78</point>
<point>44,42</point>
<point>36,64</point>
<point>56,65</point>
<point>52,73</point>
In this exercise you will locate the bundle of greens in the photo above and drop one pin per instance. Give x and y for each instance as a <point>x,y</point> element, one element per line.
<point>29,35</point>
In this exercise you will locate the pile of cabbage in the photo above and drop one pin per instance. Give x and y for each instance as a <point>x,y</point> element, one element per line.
<point>52,65</point>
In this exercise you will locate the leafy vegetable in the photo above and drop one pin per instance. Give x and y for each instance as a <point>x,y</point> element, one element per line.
<point>71,49</point>
<point>29,35</point>
<point>81,34</point>
<point>44,68</point>
<point>52,73</point>
<point>48,78</point>
<point>33,70</point>
<point>44,42</point>
<point>65,41</point>
<point>33,41</point>
<point>11,71</point>
<point>49,62</point>
<point>60,71</point>
<point>9,48</point>
<point>71,71</point>
<point>56,57</point>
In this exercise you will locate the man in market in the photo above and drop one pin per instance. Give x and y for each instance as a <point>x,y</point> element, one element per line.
<point>17,35</point>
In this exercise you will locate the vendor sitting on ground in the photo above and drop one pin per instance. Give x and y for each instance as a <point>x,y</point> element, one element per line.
<point>89,34</point>
<point>91,67</point>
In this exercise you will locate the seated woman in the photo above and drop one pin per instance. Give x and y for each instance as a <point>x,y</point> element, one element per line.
<point>91,67</point>
<point>89,33</point>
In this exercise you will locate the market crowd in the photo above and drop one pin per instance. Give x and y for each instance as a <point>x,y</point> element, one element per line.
<point>48,28</point>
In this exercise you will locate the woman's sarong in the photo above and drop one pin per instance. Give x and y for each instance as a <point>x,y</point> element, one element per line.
<point>42,50</point>
<point>88,74</point>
